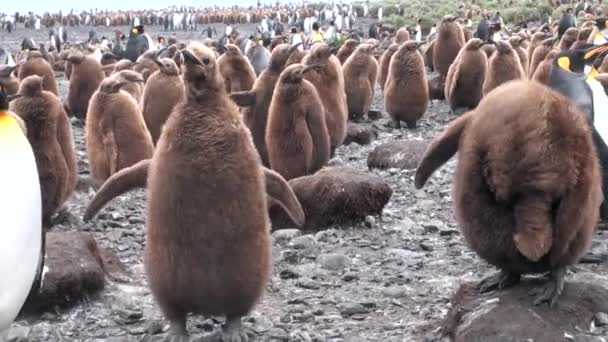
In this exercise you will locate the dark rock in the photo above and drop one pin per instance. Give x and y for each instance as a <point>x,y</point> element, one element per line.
<point>374,114</point>
<point>425,246</point>
<point>350,308</point>
<point>436,87</point>
<point>334,262</point>
<point>350,276</point>
<point>400,154</point>
<point>359,134</point>
<point>335,196</point>
<point>76,271</point>
<point>510,315</point>
<point>307,283</point>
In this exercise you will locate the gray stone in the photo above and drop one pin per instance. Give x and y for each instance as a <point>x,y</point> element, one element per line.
<point>370,221</point>
<point>396,291</point>
<point>18,334</point>
<point>282,236</point>
<point>303,242</point>
<point>400,154</point>
<point>348,309</point>
<point>601,319</point>
<point>334,262</point>
<point>307,283</point>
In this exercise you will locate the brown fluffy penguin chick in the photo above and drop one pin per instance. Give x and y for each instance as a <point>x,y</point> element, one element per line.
<point>464,83</point>
<point>359,80</point>
<point>516,43</point>
<point>237,71</point>
<point>428,56</point>
<point>568,39</point>
<point>536,40</point>
<point>218,239</point>
<point>296,136</point>
<point>163,91</point>
<point>86,77</point>
<point>8,81</point>
<point>123,64</point>
<point>135,83</point>
<point>489,50</point>
<point>116,133</point>
<point>406,96</point>
<point>503,66</point>
<point>296,57</point>
<point>35,64</point>
<point>346,50</point>
<point>402,35</point>
<point>581,41</point>
<point>329,81</point>
<point>539,55</point>
<point>385,62</point>
<point>543,71</point>
<point>450,39</point>
<point>145,64</point>
<point>257,100</point>
<point>49,133</point>
<point>528,169</point>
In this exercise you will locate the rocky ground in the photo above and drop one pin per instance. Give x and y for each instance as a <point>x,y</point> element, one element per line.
<point>389,278</point>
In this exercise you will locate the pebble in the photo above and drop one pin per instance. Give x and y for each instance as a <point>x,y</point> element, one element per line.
<point>370,221</point>
<point>433,226</point>
<point>154,327</point>
<point>303,242</point>
<point>334,262</point>
<point>282,236</point>
<point>396,291</point>
<point>425,246</point>
<point>307,283</point>
<point>601,319</point>
<point>348,309</point>
<point>18,334</point>
<point>350,276</point>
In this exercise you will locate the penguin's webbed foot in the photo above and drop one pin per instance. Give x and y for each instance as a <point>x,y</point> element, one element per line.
<point>499,281</point>
<point>551,290</point>
<point>234,331</point>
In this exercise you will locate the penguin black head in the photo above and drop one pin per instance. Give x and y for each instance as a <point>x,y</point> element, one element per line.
<point>601,23</point>
<point>575,60</point>
<point>3,100</point>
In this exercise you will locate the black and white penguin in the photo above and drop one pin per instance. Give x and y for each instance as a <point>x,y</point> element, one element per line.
<point>22,243</point>
<point>137,43</point>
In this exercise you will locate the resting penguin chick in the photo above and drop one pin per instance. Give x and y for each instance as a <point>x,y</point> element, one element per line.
<point>257,100</point>
<point>35,64</point>
<point>21,203</point>
<point>86,77</point>
<point>463,86</point>
<point>450,39</point>
<point>116,133</point>
<point>135,83</point>
<point>543,71</point>
<point>503,66</point>
<point>539,55</point>
<point>360,71</point>
<point>329,81</point>
<point>235,68</point>
<point>541,195</point>
<point>163,91</point>
<point>385,62</point>
<point>516,42</point>
<point>406,96</point>
<point>8,80</point>
<point>47,132</point>
<point>296,136</point>
<point>346,50</point>
<point>188,232</point>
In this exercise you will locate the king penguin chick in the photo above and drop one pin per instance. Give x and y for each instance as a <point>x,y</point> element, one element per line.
<point>539,55</point>
<point>116,133</point>
<point>85,78</point>
<point>8,80</point>
<point>406,96</point>
<point>237,71</point>
<point>450,39</point>
<point>360,72</point>
<point>463,86</point>
<point>219,238</point>
<point>543,71</point>
<point>528,169</point>
<point>134,83</point>
<point>346,50</point>
<point>296,136</point>
<point>503,66</point>
<point>35,64</point>
<point>385,62</point>
<point>516,44</point>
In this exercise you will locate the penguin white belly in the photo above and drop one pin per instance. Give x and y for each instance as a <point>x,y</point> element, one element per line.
<point>600,108</point>
<point>151,44</point>
<point>21,212</point>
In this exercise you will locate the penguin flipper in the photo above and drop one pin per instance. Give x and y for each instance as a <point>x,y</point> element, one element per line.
<point>280,192</point>
<point>451,78</point>
<point>127,179</point>
<point>441,149</point>
<point>243,98</point>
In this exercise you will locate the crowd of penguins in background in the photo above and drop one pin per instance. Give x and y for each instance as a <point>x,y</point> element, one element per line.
<point>214,131</point>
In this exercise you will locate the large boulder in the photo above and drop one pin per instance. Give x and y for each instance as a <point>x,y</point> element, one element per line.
<point>335,195</point>
<point>510,315</point>
<point>404,154</point>
<point>76,269</point>
<point>360,134</point>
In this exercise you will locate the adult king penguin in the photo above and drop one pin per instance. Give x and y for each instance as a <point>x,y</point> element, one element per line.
<point>572,76</point>
<point>22,243</point>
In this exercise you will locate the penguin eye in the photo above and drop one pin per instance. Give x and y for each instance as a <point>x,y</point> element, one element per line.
<point>206,61</point>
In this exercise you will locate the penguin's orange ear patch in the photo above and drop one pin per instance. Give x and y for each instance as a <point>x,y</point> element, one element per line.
<point>12,131</point>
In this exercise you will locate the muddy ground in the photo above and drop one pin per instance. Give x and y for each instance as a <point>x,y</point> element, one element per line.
<point>401,268</point>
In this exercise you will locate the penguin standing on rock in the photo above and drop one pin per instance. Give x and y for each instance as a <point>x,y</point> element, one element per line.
<point>21,203</point>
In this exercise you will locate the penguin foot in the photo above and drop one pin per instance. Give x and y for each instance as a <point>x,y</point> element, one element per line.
<point>233,331</point>
<point>551,290</point>
<point>499,281</point>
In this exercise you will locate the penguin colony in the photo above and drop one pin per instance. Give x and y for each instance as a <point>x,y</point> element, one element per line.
<point>241,120</point>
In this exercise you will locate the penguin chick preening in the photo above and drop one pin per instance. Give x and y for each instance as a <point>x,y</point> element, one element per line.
<point>207,252</point>
<point>527,184</point>
<point>296,137</point>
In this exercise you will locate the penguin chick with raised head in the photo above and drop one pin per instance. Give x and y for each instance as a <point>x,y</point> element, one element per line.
<point>464,83</point>
<point>503,66</point>
<point>116,133</point>
<point>85,78</point>
<point>235,68</point>
<point>134,83</point>
<point>360,72</point>
<point>296,136</point>
<point>163,91</point>
<point>49,134</point>
<point>35,64</point>
<point>346,50</point>
<point>527,184</point>
<point>207,252</point>
<point>406,96</point>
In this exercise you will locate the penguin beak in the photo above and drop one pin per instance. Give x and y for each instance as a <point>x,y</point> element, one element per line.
<point>419,44</point>
<point>10,98</point>
<point>311,68</point>
<point>294,48</point>
<point>190,58</point>
<point>157,61</point>
<point>333,49</point>
<point>592,53</point>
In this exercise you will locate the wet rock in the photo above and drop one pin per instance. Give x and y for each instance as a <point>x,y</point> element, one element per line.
<point>76,270</point>
<point>283,236</point>
<point>303,242</point>
<point>400,154</point>
<point>370,221</point>
<point>307,283</point>
<point>510,315</point>
<point>348,309</point>
<point>18,334</point>
<point>601,319</point>
<point>396,291</point>
<point>359,134</point>
<point>336,196</point>
<point>334,262</point>
<point>154,327</point>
